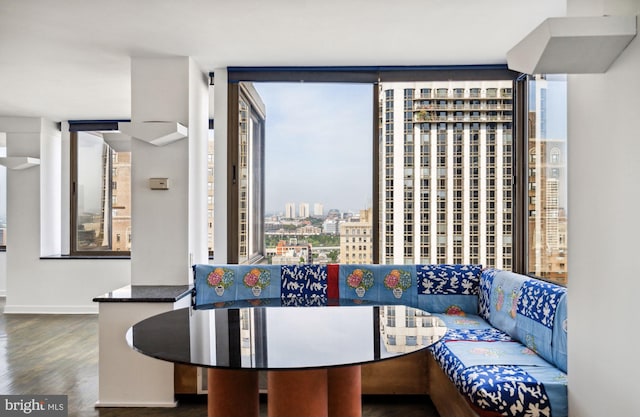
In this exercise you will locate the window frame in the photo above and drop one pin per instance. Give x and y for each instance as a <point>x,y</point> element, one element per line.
<point>74,128</point>
<point>235,93</point>
<point>373,76</point>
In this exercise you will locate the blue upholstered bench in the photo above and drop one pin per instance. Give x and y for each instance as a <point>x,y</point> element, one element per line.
<point>509,358</point>
<point>506,348</point>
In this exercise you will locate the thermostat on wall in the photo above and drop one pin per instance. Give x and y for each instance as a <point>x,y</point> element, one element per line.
<point>159,183</point>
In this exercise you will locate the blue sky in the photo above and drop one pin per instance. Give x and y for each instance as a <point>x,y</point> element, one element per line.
<point>318,145</point>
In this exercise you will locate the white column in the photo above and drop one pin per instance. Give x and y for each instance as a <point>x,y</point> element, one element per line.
<point>168,226</point>
<point>24,136</point>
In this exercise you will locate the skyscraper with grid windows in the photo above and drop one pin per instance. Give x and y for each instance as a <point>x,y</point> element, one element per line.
<point>446,172</point>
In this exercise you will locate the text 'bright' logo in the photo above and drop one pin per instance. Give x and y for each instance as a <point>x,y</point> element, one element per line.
<point>26,407</point>
<point>33,405</point>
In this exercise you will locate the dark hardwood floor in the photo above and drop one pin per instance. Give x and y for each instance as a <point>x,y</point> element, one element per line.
<point>58,354</point>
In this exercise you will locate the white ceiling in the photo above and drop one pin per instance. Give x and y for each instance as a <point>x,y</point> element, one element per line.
<point>69,59</point>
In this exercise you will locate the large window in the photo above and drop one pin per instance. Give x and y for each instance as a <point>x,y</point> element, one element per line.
<point>317,209</point>
<point>100,197</point>
<point>547,178</point>
<point>444,148</point>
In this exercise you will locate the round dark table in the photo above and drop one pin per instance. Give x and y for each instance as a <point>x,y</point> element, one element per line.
<point>313,353</point>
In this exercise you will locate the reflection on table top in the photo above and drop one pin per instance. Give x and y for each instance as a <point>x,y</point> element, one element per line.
<point>276,336</point>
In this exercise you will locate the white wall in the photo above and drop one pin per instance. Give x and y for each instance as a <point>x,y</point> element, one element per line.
<point>604,229</point>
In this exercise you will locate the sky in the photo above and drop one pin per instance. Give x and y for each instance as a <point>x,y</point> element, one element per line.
<point>318,145</point>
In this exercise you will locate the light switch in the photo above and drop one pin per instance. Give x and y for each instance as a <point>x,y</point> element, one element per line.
<point>159,183</point>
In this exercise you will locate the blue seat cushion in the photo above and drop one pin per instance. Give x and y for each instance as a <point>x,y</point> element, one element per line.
<point>504,377</point>
<point>470,327</point>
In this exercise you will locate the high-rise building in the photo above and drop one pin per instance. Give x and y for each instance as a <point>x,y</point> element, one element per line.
<point>303,208</point>
<point>121,201</point>
<point>318,210</point>
<point>356,239</point>
<point>446,172</point>
<point>290,210</point>
<point>547,194</point>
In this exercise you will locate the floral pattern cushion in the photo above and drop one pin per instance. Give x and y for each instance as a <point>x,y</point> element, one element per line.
<point>396,284</point>
<point>359,282</point>
<point>214,284</point>
<point>503,300</point>
<point>258,281</point>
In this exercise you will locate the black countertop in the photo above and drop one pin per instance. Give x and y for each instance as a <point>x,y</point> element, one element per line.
<point>146,294</point>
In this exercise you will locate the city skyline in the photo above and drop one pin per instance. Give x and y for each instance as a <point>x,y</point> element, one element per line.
<point>333,122</point>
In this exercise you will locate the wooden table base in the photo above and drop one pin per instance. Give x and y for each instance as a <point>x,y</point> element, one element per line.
<point>315,393</point>
<point>345,391</point>
<point>335,392</point>
<point>232,393</point>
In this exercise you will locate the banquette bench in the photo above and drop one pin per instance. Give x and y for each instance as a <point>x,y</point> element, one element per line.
<point>505,350</point>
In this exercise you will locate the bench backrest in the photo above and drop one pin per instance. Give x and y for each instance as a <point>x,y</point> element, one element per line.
<point>529,310</point>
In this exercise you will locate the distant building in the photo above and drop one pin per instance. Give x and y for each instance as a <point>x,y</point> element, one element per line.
<point>303,210</point>
<point>356,246</point>
<point>290,211</point>
<point>331,226</point>
<point>333,213</point>
<point>272,227</point>
<point>318,210</point>
<point>292,252</point>
<point>308,230</point>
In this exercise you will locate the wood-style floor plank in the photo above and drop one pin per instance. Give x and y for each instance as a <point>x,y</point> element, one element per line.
<point>58,354</point>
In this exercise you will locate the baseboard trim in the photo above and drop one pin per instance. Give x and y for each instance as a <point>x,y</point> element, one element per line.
<point>108,404</point>
<point>50,309</point>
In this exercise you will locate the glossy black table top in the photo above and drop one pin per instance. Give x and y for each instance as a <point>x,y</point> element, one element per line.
<point>276,337</point>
